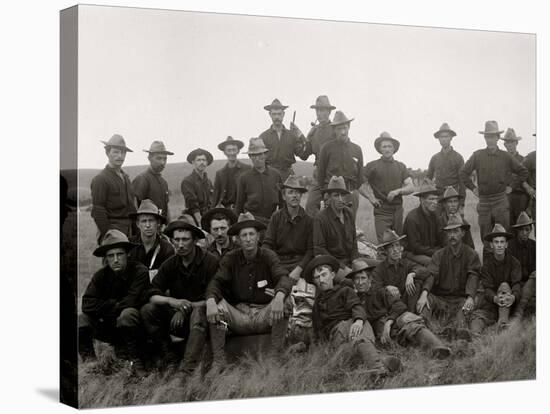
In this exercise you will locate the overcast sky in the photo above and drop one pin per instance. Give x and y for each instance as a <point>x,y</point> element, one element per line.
<point>191,79</point>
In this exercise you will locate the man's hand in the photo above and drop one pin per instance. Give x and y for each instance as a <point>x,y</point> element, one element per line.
<point>468,304</point>
<point>476,192</point>
<point>212,313</point>
<point>422,301</point>
<point>375,202</point>
<point>355,329</point>
<point>182,305</point>
<point>295,274</point>
<point>386,337</point>
<point>277,306</point>
<point>177,321</point>
<point>409,284</point>
<point>392,194</point>
<point>531,191</point>
<point>392,290</point>
<point>496,300</point>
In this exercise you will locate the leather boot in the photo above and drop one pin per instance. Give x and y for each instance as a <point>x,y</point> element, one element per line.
<point>130,344</point>
<point>193,350</point>
<point>86,344</point>
<point>428,340</point>
<point>278,336</point>
<point>527,292</point>
<point>503,317</point>
<point>217,342</point>
<point>168,356</point>
<point>370,356</point>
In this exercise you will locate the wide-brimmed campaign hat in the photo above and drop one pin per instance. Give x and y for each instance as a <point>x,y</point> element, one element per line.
<point>498,231</point>
<point>181,224</point>
<point>444,128</point>
<point>111,240</point>
<point>199,151</point>
<point>426,188</point>
<point>245,220</point>
<point>324,259</point>
<point>390,236</point>
<point>450,192</point>
<point>293,182</point>
<point>157,147</point>
<point>455,221</point>
<point>358,266</point>
<point>230,141</point>
<point>386,136</point>
<point>117,141</point>
<point>148,207</point>
<point>256,146</point>
<point>510,135</point>
<point>207,217</point>
<point>276,104</point>
<point>322,102</point>
<point>491,127</point>
<point>336,185</point>
<point>523,220</point>
<point>340,118</point>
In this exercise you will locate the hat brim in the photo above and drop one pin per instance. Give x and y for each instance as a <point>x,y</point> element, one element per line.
<point>367,266</point>
<point>511,139</point>
<point>378,142</point>
<point>270,107</point>
<point>256,152</point>
<point>239,144</point>
<point>134,216</point>
<point>319,261</point>
<point>456,226</point>
<point>207,217</point>
<point>159,152</point>
<point>427,192</point>
<point>300,189</point>
<point>323,107</point>
<point>334,190</point>
<point>489,237</point>
<point>193,154</point>
<point>438,133</point>
<point>443,199</point>
<point>122,147</point>
<point>391,241</point>
<point>517,226</point>
<point>101,251</point>
<point>182,225</point>
<point>490,132</point>
<point>237,227</point>
<point>341,123</point>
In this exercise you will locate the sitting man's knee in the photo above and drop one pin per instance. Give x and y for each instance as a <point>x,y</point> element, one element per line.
<point>84,321</point>
<point>128,318</point>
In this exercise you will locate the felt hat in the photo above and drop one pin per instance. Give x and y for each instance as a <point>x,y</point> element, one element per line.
<point>498,230</point>
<point>117,141</point>
<point>181,224</point>
<point>385,136</point>
<point>336,185</point>
<point>320,260</point>
<point>245,220</point>
<point>113,239</point>
<point>455,221</point>
<point>340,118</point>
<point>426,188</point>
<point>207,217</point>
<point>322,102</point>
<point>256,146</point>
<point>491,127</point>
<point>358,266</point>
<point>389,237</point>
<point>523,220</point>
<point>148,207</point>
<point>444,128</point>
<point>510,135</point>
<point>293,182</point>
<point>230,141</point>
<point>157,147</point>
<point>276,104</point>
<point>199,151</point>
<point>450,192</point>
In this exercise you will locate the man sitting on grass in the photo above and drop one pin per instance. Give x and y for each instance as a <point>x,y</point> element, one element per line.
<point>389,317</point>
<point>111,302</point>
<point>339,317</point>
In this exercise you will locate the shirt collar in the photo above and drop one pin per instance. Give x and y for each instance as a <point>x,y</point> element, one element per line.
<point>203,178</point>
<point>388,160</point>
<point>153,172</point>
<point>258,258</point>
<point>300,215</point>
<point>447,151</point>
<point>197,260</point>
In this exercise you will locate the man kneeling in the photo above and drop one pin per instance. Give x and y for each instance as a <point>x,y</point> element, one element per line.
<point>339,317</point>
<point>389,317</point>
<point>247,294</point>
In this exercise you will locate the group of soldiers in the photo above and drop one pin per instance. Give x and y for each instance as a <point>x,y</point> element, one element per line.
<point>244,257</point>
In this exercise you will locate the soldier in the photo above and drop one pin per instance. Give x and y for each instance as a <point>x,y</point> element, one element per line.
<point>491,165</point>
<point>112,194</point>
<point>501,279</point>
<point>389,317</point>
<point>517,197</point>
<point>225,183</point>
<point>111,302</point>
<point>283,144</point>
<point>176,298</point>
<point>150,184</point>
<point>449,291</point>
<point>248,293</point>
<point>196,187</point>
<point>338,316</point>
<point>386,182</point>
<point>320,133</point>
<point>421,227</point>
<point>258,188</point>
<point>451,202</point>
<point>445,165</point>
<point>151,249</point>
<point>341,158</point>
<point>530,185</point>
<point>217,222</point>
